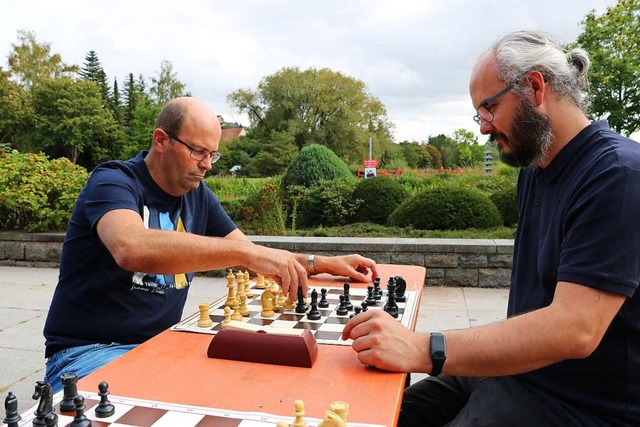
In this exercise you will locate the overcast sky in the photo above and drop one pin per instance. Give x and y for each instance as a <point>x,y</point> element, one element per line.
<point>415,56</point>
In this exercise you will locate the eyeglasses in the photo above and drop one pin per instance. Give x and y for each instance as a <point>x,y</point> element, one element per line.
<point>483,113</point>
<point>197,153</point>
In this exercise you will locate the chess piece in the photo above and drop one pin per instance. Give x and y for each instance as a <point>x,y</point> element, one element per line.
<point>371,300</point>
<point>80,419</point>
<point>336,416</point>
<point>267,303</point>
<point>44,393</point>
<point>314,314</point>
<point>205,320</point>
<point>11,411</point>
<point>70,390</point>
<point>282,424</point>
<point>342,309</point>
<point>298,406</point>
<point>364,306</point>
<point>347,302</point>
<point>231,296</point>
<point>401,288</point>
<point>227,316</point>
<point>377,291</point>
<point>390,306</point>
<point>236,310</point>
<point>51,420</point>
<point>247,285</point>
<point>288,303</point>
<point>323,299</point>
<point>244,311</point>
<point>260,284</point>
<point>301,306</point>
<point>105,408</point>
<point>240,288</point>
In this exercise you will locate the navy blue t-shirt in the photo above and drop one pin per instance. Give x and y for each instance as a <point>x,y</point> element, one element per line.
<point>579,221</point>
<point>95,300</point>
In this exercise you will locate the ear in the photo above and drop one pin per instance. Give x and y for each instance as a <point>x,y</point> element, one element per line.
<point>538,86</point>
<point>160,140</point>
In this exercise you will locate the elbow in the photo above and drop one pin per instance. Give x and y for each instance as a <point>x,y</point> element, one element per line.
<point>126,257</point>
<point>584,344</point>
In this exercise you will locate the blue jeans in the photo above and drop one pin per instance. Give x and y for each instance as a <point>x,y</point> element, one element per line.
<point>83,360</point>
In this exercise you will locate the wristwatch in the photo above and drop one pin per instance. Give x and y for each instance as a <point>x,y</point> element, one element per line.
<point>311,265</point>
<point>438,349</point>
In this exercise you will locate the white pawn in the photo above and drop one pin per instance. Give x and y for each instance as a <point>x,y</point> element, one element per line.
<point>236,311</point>
<point>227,316</point>
<point>298,405</point>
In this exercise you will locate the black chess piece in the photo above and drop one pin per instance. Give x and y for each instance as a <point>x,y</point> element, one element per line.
<point>370,300</point>
<point>391,281</point>
<point>390,306</point>
<point>44,394</point>
<point>314,314</point>
<point>301,306</point>
<point>11,411</point>
<point>323,299</point>
<point>377,291</point>
<point>80,419</point>
<point>364,306</point>
<point>347,301</point>
<point>401,288</point>
<point>357,309</point>
<point>70,391</point>
<point>342,309</point>
<point>105,408</point>
<point>51,420</point>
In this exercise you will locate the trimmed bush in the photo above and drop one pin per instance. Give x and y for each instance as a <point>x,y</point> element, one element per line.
<point>38,194</point>
<point>378,197</point>
<point>507,204</point>
<point>447,208</point>
<point>315,163</point>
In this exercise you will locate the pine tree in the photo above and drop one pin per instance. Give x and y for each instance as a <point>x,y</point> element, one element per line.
<point>92,70</point>
<point>130,100</point>
<point>116,104</point>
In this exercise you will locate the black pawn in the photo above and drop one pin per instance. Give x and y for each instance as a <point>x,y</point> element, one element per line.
<point>364,306</point>
<point>314,314</point>
<point>357,309</point>
<point>377,290</point>
<point>104,409</point>
<point>401,288</point>
<point>11,407</point>
<point>301,306</point>
<point>323,299</point>
<point>70,391</point>
<point>80,420</point>
<point>371,300</point>
<point>51,420</point>
<point>342,309</point>
<point>347,302</point>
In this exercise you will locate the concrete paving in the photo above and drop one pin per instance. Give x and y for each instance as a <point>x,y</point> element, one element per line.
<point>25,294</point>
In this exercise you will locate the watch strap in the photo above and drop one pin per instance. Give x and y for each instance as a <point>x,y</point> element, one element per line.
<point>438,350</point>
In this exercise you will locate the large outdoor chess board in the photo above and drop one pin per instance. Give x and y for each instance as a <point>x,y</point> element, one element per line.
<point>327,330</point>
<point>145,413</point>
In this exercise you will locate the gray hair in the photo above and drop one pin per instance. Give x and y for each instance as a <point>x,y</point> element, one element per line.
<point>172,116</point>
<point>563,68</point>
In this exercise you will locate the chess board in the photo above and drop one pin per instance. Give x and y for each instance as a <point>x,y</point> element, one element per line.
<point>132,412</point>
<point>327,330</point>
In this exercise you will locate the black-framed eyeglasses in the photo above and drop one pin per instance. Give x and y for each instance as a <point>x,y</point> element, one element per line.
<point>483,112</point>
<point>197,153</point>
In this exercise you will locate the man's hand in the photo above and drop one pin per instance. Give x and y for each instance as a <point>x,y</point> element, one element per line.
<point>355,267</point>
<point>383,342</point>
<point>282,266</point>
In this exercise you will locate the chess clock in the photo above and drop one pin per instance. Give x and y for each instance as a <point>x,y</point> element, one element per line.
<point>438,349</point>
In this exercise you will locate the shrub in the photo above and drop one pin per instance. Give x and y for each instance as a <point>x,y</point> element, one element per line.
<point>264,212</point>
<point>329,203</point>
<point>378,197</point>
<point>505,201</point>
<point>447,208</point>
<point>38,194</point>
<point>313,164</point>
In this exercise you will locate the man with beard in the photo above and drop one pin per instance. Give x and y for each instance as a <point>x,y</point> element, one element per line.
<point>568,353</point>
<point>139,230</point>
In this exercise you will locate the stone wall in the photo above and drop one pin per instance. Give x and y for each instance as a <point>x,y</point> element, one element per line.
<point>449,262</point>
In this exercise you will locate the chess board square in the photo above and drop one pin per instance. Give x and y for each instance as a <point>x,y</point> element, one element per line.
<point>308,325</point>
<point>213,421</point>
<point>327,335</point>
<point>172,419</point>
<point>141,417</point>
<point>341,320</point>
<point>262,321</point>
<point>291,317</point>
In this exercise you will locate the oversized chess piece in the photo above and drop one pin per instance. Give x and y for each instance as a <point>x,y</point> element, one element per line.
<point>301,306</point>
<point>314,314</point>
<point>205,320</point>
<point>70,390</point>
<point>80,419</point>
<point>45,406</point>
<point>324,303</point>
<point>105,408</point>
<point>11,411</point>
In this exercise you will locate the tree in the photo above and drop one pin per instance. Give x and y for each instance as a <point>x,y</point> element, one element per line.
<point>447,147</point>
<point>317,106</point>
<point>116,104</point>
<point>72,122</point>
<point>31,62</point>
<point>613,41</point>
<point>92,71</point>
<point>470,153</point>
<point>15,110</point>
<point>166,86</point>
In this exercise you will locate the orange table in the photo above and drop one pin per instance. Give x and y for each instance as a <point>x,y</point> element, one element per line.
<point>174,367</point>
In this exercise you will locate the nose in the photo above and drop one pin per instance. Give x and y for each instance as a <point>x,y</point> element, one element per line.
<point>205,163</point>
<point>486,127</point>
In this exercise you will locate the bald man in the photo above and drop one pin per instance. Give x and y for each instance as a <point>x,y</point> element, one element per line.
<point>139,230</point>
